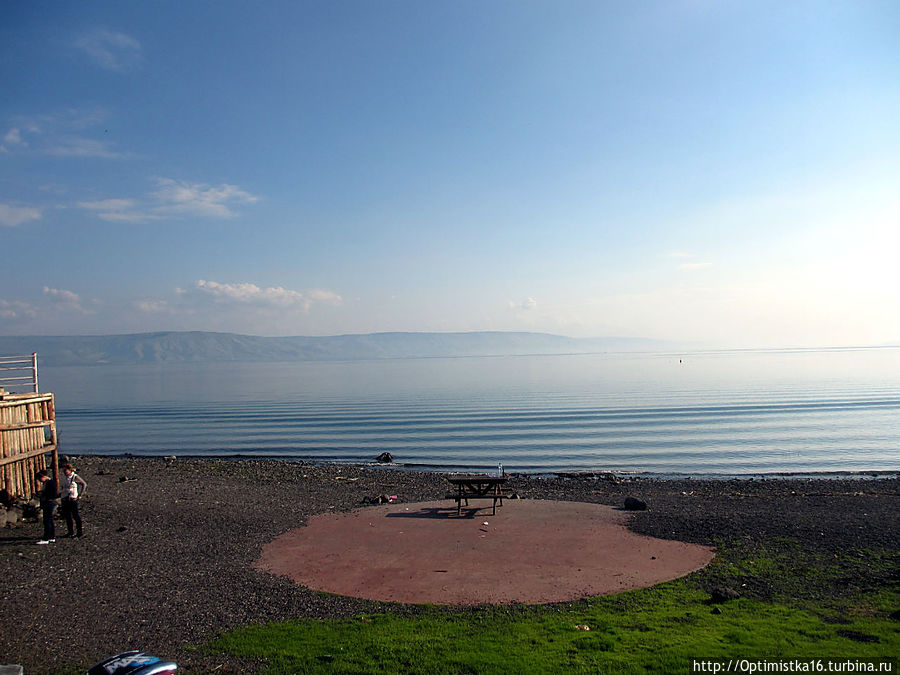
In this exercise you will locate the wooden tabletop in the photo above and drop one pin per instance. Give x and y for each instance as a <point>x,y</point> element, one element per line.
<point>475,478</point>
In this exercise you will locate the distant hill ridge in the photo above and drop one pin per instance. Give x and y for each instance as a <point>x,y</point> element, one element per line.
<point>199,347</point>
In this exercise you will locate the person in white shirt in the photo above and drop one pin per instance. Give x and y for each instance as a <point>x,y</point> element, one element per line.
<point>73,487</point>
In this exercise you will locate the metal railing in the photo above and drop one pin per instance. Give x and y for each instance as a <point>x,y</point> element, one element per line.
<point>19,364</point>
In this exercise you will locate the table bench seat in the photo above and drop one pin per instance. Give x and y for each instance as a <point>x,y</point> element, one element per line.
<point>477,486</point>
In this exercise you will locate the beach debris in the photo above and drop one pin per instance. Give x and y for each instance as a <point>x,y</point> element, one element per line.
<point>103,472</point>
<point>723,594</point>
<point>392,498</point>
<point>385,458</point>
<point>122,528</point>
<point>12,516</point>
<point>607,476</point>
<point>635,504</point>
<point>485,522</point>
<point>126,479</point>
<point>31,510</point>
<point>582,626</point>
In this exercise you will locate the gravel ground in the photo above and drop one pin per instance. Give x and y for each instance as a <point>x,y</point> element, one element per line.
<point>166,560</point>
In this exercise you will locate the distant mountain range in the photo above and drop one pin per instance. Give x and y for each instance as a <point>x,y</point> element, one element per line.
<point>199,347</point>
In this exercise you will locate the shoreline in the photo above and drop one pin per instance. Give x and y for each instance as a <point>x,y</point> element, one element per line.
<point>166,563</point>
<point>599,473</point>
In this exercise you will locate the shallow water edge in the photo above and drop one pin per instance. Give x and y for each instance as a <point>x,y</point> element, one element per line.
<point>432,468</point>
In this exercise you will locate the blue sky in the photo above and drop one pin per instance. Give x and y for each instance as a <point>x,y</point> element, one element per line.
<point>717,172</point>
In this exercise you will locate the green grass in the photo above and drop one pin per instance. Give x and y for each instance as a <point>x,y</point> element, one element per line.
<point>652,630</point>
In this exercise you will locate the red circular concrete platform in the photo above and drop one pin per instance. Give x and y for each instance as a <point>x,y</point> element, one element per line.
<point>531,551</point>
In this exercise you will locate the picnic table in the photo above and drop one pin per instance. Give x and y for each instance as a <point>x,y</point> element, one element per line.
<point>477,486</point>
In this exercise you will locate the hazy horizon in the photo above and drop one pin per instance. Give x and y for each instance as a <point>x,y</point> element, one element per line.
<point>715,173</point>
<point>665,346</point>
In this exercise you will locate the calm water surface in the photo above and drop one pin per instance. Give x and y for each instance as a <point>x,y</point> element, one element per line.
<point>702,413</point>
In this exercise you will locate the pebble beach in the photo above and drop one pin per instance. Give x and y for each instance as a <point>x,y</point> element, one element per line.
<point>166,561</point>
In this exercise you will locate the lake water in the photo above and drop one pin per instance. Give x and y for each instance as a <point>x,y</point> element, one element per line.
<point>697,413</point>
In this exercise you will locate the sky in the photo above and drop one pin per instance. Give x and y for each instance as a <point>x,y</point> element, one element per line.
<point>712,171</point>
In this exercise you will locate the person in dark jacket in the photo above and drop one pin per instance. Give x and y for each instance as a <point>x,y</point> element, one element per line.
<point>48,493</point>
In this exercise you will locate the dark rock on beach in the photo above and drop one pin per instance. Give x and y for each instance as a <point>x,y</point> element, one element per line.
<point>634,504</point>
<point>166,563</point>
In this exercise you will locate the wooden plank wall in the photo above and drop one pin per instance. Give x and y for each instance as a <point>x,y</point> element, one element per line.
<point>27,434</point>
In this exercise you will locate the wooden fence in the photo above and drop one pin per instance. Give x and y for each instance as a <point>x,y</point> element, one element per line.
<point>27,435</point>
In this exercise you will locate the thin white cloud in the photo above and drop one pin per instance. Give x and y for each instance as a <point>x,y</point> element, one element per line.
<point>118,210</point>
<point>274,296</point>
<point>199,199</point>
<point>152,306</point>
<point>527,304</point>
<point>63,298</point>
<point>109,205</point>
<point>174,199</point>
<point>75,146</point>
<point>14,309</point>
<point>12,138</point>
<point>110,50</point>
<point>325,297</point>
<point>688,263</point>
<point>60,134</point>
<point>126,217</point>
<point>10,216</point>
<point>251,293</point>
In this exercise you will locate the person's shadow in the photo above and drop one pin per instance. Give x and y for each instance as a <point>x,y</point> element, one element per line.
<point>10,541</point>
